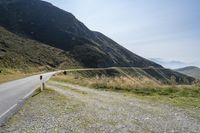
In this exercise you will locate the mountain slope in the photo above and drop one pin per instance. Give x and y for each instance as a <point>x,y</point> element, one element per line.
<point>48,24</point>
<point>38,34</point>
<point>26,54</point>
<point>20,53</point>
<point>190,71</point>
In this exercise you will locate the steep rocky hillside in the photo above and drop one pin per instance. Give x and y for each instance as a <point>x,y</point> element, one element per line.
<point>48,24</point>
<point>35,33</point>
<point>20,53</point>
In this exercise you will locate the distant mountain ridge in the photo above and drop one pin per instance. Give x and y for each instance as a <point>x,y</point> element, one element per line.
<point>169,63</point>
<point>190,71</point>
<point>48,24</point>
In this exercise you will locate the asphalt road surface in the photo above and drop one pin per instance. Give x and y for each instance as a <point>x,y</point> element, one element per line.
<point>15,92</point>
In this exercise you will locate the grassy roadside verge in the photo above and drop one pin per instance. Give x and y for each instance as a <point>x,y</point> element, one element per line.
<point>187,96</point>
<point>7,75</point>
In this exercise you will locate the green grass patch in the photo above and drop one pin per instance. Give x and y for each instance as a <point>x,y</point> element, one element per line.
<point>183,102</point>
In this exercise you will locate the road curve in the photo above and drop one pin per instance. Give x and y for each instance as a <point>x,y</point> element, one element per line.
<point>14,92</point>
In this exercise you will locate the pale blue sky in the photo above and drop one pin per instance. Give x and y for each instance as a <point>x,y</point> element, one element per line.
<point>166,29</point>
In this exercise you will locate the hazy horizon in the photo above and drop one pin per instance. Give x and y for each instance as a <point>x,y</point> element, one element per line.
<point>165,30</point>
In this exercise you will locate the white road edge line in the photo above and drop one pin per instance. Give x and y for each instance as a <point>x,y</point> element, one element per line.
<point>15,105</point>
<point>24,98</point>
<point>8,110</point>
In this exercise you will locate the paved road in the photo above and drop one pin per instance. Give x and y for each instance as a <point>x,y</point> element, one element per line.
<point>12,93</point>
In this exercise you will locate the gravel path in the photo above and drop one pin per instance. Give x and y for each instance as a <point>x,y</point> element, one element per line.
<point>80,109</point>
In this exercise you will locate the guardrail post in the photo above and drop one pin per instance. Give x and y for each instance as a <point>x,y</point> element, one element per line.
<point>41,87</point>
<point>41,83</point>
<point>65,72</point>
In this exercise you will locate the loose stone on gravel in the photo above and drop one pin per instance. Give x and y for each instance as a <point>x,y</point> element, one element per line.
<point>72,108</point>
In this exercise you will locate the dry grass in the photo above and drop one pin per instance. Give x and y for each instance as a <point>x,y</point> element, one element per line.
<point>122,83</point>
<point>8,75</point>
<point>184,95</point>
<point>116,83</point>
<point>14,74</point>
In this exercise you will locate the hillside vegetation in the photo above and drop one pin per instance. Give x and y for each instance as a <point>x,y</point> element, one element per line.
<point>28,56</point>
<point>25,54</point>
<point>155,75</point>
<point>48,24</point>
<point>38,36</point>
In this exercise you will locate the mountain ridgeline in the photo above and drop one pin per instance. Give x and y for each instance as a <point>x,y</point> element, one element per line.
<point>48,24</point>
<point>34,33</point>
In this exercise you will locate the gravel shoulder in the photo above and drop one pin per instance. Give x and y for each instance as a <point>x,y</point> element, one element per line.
<point>72,108</point>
